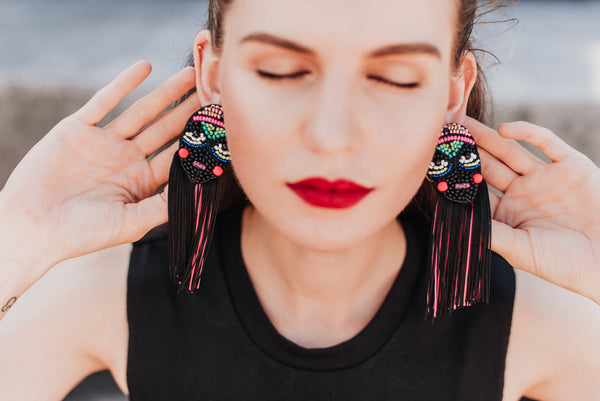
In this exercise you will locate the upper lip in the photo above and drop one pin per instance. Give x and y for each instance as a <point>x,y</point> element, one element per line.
<point>337,186</point>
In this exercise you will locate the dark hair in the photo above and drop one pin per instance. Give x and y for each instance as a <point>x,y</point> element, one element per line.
<point>469,12</point>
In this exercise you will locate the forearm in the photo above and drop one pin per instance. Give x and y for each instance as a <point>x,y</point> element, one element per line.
<point>15,279</point>
<point>22,261</point>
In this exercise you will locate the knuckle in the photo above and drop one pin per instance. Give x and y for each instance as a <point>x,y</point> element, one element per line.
<point>104,97</point>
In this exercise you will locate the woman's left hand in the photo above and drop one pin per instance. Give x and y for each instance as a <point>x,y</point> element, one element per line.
<point>547,221</point>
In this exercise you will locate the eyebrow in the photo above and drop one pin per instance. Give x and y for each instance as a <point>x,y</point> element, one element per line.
<point>396,49</point>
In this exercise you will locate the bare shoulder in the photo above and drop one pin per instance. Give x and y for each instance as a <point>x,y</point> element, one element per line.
<point>69,324</point>
<point>553,351</point>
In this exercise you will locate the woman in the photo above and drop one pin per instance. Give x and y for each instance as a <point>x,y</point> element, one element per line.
<point>332,89</point>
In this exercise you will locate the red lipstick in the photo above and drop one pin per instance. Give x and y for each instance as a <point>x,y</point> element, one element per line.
<point>339,194</point>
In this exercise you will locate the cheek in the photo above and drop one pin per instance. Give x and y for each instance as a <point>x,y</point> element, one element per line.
<point>412,164</point>
<point>255,138</point>
<point>409,146</point>
<point>411,137</point>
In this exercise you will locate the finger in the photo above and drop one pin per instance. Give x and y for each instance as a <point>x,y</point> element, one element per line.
<point>161,163</point>
<point>547,141</point>
<point>149,107</point>
<point>506,150</point>
<point>168,127</point>
<point>496,173</point>
<point>108,97</point>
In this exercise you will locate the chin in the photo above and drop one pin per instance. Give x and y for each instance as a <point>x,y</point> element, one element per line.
<point>325,238</point>
<point>328,230</point>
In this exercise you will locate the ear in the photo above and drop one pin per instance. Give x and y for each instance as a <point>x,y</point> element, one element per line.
<point>461,85</point>
<point>206,64</point>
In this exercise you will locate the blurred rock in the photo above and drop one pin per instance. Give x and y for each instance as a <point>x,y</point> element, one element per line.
<point>578,124</point>
<point>27,114</point>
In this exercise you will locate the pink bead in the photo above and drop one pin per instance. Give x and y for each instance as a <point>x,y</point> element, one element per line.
<point>477,178</point>
<point>218,171</point>
<point>442,186</point>
<point>184,153</point>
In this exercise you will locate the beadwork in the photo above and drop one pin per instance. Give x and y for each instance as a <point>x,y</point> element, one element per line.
<point>203,145</point>
<point>456,167</point>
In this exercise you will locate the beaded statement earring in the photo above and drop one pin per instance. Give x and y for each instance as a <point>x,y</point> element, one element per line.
<point>194,194</point>
<point>460,255</point>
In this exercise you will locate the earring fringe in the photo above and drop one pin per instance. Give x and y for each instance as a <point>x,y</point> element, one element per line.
<point>459,266</point>
<point>192,216</point>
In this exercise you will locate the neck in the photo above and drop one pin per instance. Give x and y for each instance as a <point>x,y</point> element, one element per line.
<point>317,298</point>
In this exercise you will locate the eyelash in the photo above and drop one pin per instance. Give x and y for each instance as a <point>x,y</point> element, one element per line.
<point>300,74</point>
<point>411,85</point>
<point>268,75</point>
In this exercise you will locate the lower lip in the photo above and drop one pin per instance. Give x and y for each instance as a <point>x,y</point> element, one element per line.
<point>329,198</point>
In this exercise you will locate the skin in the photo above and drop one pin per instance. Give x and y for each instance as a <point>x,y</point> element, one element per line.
<point>315,131</point>
<point>335,120</point>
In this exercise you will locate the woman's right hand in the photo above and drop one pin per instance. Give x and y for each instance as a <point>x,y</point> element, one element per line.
<point>83,187</point>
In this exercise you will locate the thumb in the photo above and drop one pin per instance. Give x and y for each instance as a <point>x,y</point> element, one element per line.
<point>145,215</point>
<point>513,245</point>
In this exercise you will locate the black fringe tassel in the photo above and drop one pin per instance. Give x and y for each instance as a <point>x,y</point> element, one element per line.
<point>191,220</point>
<point>459,268</point>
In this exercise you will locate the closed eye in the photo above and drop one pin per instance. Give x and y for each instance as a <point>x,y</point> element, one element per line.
<point>469,161</point>
<point>299,74</point>
<point>439,168</point>
<point>403,85</point>
<point>269,75</point>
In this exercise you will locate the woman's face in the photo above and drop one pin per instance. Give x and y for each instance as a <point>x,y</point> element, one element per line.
<point>336,89</point>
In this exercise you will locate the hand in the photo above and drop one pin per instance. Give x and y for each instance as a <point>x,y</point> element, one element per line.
<point>547,221</point>
<point>83,187</point>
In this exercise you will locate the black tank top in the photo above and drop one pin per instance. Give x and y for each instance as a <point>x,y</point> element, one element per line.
<point>218,343</point>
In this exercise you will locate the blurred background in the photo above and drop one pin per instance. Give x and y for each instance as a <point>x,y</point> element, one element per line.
<point>55,54</point>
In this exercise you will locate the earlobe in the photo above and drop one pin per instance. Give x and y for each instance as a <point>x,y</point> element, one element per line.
<point>460,88</point>
<point>207,65</point>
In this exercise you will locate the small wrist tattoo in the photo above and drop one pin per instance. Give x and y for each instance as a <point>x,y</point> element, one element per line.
<point>9,304</point>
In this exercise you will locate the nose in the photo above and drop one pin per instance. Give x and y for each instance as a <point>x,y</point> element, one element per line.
<point>332,126</point>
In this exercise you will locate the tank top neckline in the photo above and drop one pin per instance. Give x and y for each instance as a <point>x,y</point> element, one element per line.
<point>357,349</point>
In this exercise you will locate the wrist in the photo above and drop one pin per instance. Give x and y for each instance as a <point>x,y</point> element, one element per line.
<point>21,249</point>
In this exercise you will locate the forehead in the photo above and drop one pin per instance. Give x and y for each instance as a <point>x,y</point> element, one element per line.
<point>345,26</point>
